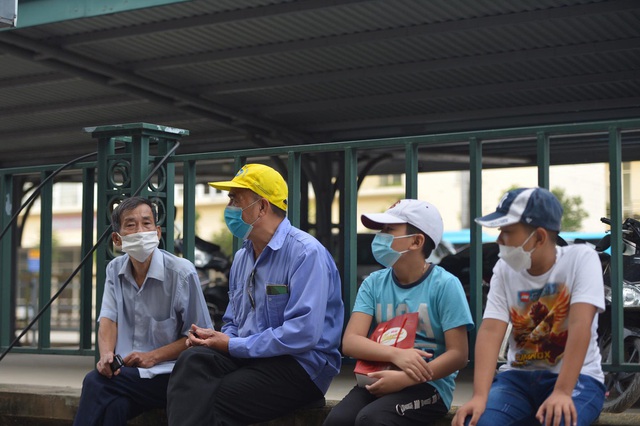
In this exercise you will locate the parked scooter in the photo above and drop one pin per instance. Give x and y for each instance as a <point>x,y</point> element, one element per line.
<point>207,258</point>
<point>623,388</point>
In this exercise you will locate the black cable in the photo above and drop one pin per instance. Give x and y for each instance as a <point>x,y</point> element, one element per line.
<point>37,189</point>
<point>87,256</point>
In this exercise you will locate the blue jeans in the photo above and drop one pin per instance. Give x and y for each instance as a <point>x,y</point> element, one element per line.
<point>515,397</point>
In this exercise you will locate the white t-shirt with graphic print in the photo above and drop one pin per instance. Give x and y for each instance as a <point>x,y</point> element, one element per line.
<point>538,308</point>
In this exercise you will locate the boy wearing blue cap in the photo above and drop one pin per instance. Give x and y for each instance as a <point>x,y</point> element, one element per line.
<point>552,296</point>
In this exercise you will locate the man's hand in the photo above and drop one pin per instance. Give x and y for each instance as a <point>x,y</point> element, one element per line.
<point>474,408</point>
<point>104,365</point>
<point>140,359</point>
<point>389,381</point>
<point>413,363</point>
<point>209,338</point>
<point>555,407</point>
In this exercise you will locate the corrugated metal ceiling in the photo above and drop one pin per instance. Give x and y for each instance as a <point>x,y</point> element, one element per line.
<point>240,73</point>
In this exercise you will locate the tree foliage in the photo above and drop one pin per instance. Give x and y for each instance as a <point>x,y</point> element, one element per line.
<point>573,213</point>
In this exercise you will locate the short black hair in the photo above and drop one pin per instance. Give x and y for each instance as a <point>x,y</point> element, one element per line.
<point>275,209</point>
<point>553,235</point>
<point>428,246</point>
<point>130,204</point>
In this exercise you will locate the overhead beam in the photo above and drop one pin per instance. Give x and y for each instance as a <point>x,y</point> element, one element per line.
<point>382,70</point>
<point>35,80</point>
<point>70,106</point>
<point>464,91</point>
<point>417,127</point>
<point>40,12</point>
<point>523,111</point>
<point>176,120</point>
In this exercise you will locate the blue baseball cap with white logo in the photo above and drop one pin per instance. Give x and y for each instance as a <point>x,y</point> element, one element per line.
<point>537,207</point>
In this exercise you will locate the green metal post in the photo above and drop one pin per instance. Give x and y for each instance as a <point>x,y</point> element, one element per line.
<point>6,260</point>
<point>544,156</point>
<point>46,256</point>
<point>189,211</point>
<point>86,274</point>
<point>121,175</point>
<point>411,170</point>
<point>615,200</point>
<point>164,192</point>
<point>475,207</point>
<point>139,148</point>
<point>238,162</point>
<point>294,177</point>
<point>349,196</point>
<point>106,148</point>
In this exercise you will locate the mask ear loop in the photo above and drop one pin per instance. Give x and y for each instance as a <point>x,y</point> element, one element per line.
<point>527,240</point>
<point>259,216</point>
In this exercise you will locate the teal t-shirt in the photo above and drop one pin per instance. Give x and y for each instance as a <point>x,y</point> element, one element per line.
<point>438,298</point>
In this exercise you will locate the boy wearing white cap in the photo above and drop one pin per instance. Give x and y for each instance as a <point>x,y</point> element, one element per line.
<point>552,296</point>
<point>417,391</point>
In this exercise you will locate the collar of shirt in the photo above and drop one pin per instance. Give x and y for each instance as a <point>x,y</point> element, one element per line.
<point>277,240</point>
<point>156,268</point>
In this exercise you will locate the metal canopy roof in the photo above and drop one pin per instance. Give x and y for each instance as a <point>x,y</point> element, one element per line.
<point>255,73</point>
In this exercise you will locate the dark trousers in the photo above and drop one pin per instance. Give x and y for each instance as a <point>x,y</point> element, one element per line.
<point>211,388</point>
<point>415,405</point>
<point>111,402</point>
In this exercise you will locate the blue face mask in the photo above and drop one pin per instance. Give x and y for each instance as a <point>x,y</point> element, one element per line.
<point>233,218</point>
<point>382,251</point>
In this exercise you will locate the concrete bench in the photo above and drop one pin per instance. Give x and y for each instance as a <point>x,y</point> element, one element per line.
<point>51,406</point>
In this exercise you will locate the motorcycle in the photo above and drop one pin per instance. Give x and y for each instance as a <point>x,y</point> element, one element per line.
<point>623,388</point>
<point>209,259</point>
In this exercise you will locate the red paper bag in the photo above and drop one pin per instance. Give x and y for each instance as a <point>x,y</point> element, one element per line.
<point>400,332</point>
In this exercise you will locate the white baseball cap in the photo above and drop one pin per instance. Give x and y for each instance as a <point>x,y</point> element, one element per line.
<point>424,216</point>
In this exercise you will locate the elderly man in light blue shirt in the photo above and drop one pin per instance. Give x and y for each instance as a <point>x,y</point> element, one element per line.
<point>151,299</point>
<point>278,350</point>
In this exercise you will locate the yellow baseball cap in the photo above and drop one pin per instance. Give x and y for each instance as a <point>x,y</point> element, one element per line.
<point>261,179</point>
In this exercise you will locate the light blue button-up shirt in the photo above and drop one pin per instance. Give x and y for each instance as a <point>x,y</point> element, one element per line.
<point>157,313</point>
<point>298,304</point>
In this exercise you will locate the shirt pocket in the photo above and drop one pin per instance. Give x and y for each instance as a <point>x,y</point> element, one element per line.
<point>162,332</point>
<point>276,304</point>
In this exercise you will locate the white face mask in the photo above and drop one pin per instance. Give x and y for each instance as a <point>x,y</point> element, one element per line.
<point>516,257</point>
<point>140,245</point>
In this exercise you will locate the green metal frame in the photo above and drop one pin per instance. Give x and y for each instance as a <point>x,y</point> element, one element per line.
<point>615,183</point>
<point>6,203</point>
<point>40,12</point>
<point>475,207</point>
<point>136,138</point>
<point>121,175</point>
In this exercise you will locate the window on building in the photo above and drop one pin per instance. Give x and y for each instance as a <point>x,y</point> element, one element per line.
<point>390,180</point>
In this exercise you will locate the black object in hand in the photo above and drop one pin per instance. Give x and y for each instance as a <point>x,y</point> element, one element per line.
<point>117,363</point>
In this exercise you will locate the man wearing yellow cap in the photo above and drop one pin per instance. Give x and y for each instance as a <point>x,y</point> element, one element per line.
<point>278,349</point>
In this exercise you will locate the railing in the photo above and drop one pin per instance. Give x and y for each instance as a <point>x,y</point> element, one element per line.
<point>297,160</point>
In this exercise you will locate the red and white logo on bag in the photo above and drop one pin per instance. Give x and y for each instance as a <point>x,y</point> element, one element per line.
<point>392,336</point>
